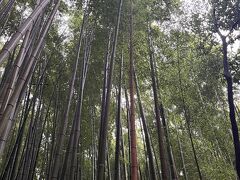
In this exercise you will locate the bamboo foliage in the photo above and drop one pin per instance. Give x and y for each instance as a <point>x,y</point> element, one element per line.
<point>71,107</point>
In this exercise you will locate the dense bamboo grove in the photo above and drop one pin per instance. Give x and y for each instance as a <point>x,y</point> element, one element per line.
<point>119,89</point>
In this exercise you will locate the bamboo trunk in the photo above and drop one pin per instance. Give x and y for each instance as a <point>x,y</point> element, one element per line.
<point>133,136</point>
<point>160,130</point>
<point>63,126</point>
<point>118,122</point>
<point>22,80</point>
<point>146,133</point>
<point>104,123</point>
<point>188,119</point>
<point>10,45</point>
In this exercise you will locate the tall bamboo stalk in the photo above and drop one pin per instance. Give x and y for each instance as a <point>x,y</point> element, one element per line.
<point>172,164</point>
<point>134,162</point>
<point>118,122</point>
<point>104,123</point>
<point>160,130</point>
<point>187,117</point>
<point>146,132</point>
<point>71,155</point>
<point>63,125</point>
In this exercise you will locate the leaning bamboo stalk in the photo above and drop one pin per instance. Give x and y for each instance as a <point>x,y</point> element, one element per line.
<point>13,113</point>
<point>8,120</point>
<point>9,170</point>
<point>6,9</point>
<point>33,138</point>
<point>22,79</point>
<point>37,94</point>
<point>1,2</point>
<point>5,13</point>
<point>10,45</point>
<point>7,71</point>
<point>14,74</point>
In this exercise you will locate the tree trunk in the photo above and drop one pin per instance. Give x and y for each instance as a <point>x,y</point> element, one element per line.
<point>228,78</point>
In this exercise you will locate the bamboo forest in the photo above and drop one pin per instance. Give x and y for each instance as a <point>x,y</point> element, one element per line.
<point>119,89</point>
